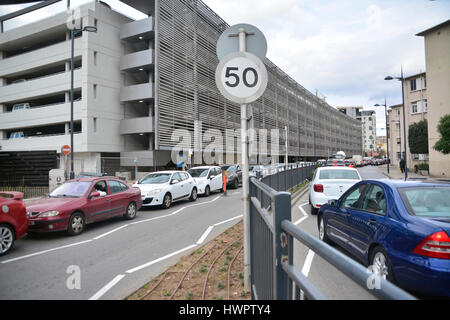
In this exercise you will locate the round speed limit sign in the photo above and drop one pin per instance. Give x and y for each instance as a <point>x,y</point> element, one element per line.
<point>241,77</point>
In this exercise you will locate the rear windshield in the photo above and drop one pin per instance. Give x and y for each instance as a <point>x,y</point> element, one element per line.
<point>426,201</point>
<point>198,173</point>
<point>338,174</point>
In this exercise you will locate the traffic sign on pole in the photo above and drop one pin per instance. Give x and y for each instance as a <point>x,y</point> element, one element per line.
<point>241,77</point>
<point>66,149</point>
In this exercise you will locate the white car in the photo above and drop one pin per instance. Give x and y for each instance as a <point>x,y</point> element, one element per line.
<point>165,187</point>
<point>330,183</point>
<point>207,178</point>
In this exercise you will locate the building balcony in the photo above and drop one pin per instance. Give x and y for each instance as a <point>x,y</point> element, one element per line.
<point>137,60</point>
<point>136,125</point>
<point>137,93</point>
<point>138,30</point>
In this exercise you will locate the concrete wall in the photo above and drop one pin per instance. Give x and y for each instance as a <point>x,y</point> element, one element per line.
<point>437,53</point>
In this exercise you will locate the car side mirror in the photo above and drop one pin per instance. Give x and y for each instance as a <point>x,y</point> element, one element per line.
<point>333,202</point>
<point>94,194</point>
<point>175,181</point>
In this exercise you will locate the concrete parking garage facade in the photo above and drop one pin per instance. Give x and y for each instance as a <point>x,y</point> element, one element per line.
<point>136,82</point>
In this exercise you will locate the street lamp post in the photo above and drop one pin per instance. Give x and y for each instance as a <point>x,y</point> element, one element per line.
<point>404,119</point>
<point>387,131</point>
<point>74,33</point>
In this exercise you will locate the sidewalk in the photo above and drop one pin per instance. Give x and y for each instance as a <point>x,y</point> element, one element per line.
<point>395,173</point>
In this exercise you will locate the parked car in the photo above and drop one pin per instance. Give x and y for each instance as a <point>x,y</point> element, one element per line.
<point>234,175</point>
<point>330,183</point>
<point>401,228</point>
<point>207,178</point>
<point>162,188</point>
<point>16,135</point>
<point>13,219</point>
<point>78,202</point>
<point>336,162</point>
<point>20,106</point>
<point>255,171</point>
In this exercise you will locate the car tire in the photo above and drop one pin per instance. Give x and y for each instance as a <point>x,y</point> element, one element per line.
<point>236,184</point>
<point>207,191</point>
<point>131,212</point>
<point>7,238</point>
<point>76,224</point>
<point>380,260</point>
<point>323,230</point>
<point>314,210</point>
<point>167,201</point>
<point>194,195</point>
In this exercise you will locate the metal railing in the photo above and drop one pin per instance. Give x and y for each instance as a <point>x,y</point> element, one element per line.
<point>272,234</point>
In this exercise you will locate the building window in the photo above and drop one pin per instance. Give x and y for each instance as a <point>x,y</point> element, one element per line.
<point>95,124</point>
<point>413,84</point>
<point>398,112</point>
<point>425,105</point>
<point>95,58</point>
<point>414,107</point>
<point>95,91</point>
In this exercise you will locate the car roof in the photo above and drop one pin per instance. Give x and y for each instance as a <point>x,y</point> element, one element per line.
<point>415,183</point>
<point>337,168</point>
<point>91,179</point>
<point>204,167</point>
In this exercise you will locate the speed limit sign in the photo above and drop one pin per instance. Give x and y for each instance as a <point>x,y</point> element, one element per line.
<point>241,77</point>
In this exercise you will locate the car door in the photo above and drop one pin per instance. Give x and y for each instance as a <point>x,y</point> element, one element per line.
<point>118,200</point>
<point>218,178</point>
<point>338,220</point>
<point>186,186</point>
<point>98,207</point>
<point>365,221</point>
<point>177,187</point>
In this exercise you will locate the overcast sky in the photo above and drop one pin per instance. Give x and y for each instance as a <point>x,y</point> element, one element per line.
<point>342,48</point>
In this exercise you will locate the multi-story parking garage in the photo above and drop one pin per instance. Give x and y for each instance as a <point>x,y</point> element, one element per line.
<point>138,81</point>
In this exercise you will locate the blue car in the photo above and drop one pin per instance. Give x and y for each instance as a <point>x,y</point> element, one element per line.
<point>401,228</point>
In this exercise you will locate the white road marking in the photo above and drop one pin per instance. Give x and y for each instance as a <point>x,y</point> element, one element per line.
<point>160,259</point>
<point>308,263</point>
<point>204,235</point>
<point>305,215</point>
<point>109,232</point>
<point>106,288</point>
<point>231,219</point>
<point>46,251</point>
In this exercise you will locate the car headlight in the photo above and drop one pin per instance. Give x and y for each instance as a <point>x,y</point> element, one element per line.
<point>47,214</point>
<point>153,192</point>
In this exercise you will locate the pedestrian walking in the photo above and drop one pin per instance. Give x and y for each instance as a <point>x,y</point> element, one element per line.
<point>402,165</point>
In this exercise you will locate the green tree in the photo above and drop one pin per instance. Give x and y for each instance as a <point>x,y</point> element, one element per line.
<point>443,144</point>
<point>418,137</point>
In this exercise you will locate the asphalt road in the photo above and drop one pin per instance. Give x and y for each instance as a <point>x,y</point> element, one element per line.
<point>112,259</point>
<point>330,281</point>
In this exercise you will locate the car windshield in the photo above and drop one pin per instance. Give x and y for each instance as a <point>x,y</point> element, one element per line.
<point>426,201</point>
<point>338,174</point>
<point>198,173</point>
<point>155,178</point>
<point>254,168</point>
<point>71,189</point>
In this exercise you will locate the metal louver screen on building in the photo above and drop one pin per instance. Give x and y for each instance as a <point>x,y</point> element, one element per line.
<point>187,35</point>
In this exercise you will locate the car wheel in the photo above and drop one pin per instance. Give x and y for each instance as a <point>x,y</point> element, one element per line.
<point>76,224</point>
<point>207,191</point>
<point>167,201</point>
<point>314,210</point>
<point>6,239</point>
<point>131,211</point>
<point>194,195</point>
<point>236,184</point>
<point>323,230</point>
<point>381,264</point>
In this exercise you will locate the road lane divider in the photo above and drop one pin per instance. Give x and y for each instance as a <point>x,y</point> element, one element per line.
<point>204,235</point>
<point>305,215</point>
<point>109,232</point>
<point>106,288</point>
<point>46,251</point>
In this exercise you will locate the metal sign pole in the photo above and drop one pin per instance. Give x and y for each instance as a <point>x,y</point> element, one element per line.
<point>245,176</point>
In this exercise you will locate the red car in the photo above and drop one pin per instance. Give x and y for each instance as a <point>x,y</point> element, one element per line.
<point>82,201</point>
<point>13,219</point>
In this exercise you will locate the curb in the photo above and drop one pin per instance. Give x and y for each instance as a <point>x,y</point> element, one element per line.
<point>299,194</point>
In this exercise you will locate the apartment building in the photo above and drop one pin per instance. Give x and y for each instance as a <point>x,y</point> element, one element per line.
<point>395,122</point>
<point>136,82</point>
<point>437,61</point>
<point>369,131</point>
